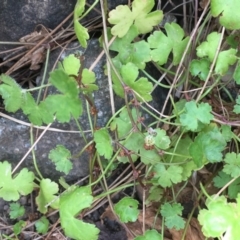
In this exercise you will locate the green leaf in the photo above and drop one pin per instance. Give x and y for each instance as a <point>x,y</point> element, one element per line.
<point>209,47</point>
<point>162,45</point>
<point>127,209</point>
<point>175,34</point>
<point>129,51</point>
<point>200,68</point>
<point>11,92</point>
<point>17,228</point>
<point>123,18</point>
<point>11,187</point>
<point>166,176</point>
<point>103,143</point>
<point>227,12</point>
<point>37,114</point>
<point>155,194</point>
<point>232,164</point>
<point>225,58</point>
<point>81,32</point>
<point>63,82</point>
<point>133,144</point>
<point>195,114</point>
<point>220,217</point>
<point>207,146</point>
<point>236,75</point>
<point>16,210</point>
<point>71,65</point>
<point>123,123</point>
<point>64,106</point>
<point>42,225</point>
<point>222,179</point>
<point>88,78</point>
<point>181,149</point>
<point>150,234</point>
<point>227,132</point>
<point>172,213</point>
<point>71,204</point>
<point>60,156</point>
<point>46,195</point>
<point>237,105</point>
<point>142,87</point>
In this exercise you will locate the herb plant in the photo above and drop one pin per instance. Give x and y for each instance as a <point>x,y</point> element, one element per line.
<point>196,136</point>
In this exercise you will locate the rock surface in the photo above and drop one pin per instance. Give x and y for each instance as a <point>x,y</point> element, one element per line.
<point>20,18</point>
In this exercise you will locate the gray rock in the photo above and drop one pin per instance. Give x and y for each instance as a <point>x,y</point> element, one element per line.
<point>20,18</point>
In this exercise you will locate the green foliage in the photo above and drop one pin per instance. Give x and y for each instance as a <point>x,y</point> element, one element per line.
<point>16,210</point>
<point>7,90</point>
<point>237,105</point>
<point>123,18</point>
<point>71,204</point>
<point>123,123</point>
<point>220,217</point>
<point>141,87</point>
<point>209,47</point>
<point>196,115</point>
<point>222,179</point>
<point>166,176</point>
<point>137,53</point>
<point>171,214</point>
<point>17,228</point>
<point>228,16</point>
<point>81,32</point>
<point>155,194</point>
<point>207,146</point>
<point>200,68</point>
<point>150,234</point>
<point>42,225</point>
<point>103,143</point>
<point>46,195</point>
<point>60,156</point>
<point>127,209</point>
<point>12,186</point>
<point>162,45</point>
<point>232,164</point>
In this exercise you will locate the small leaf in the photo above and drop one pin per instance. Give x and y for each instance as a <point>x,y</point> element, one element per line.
<point>237,105</point>
<point>209,47</point>
<point>232,164</point>
<point>88,78</point>
<point>200,68</point>
<point>60,156</point>
<point>123,123</point>
<point>11,187</point>
<point>103,143</point>
<point>236,75</point>
<point>46,195</point>
<point>37,114</point>
<point>172,213</point>
<point>127,209</point>
<point>166,176</point>
<point>225,58</point>
<point>195,114</point>
<point>226,10</point>
<point>71,204</point>
<point>11,92</point>
<point>16,210</point>
<point>81,32</point>
<point>207,146</point>
<point>71,65</point>
<point>123,18</point>
<point>17,228</point>
<point>142,86</point>
<point>150,234</point>
<point>42,225</point>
